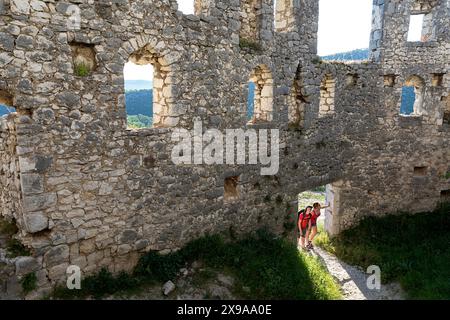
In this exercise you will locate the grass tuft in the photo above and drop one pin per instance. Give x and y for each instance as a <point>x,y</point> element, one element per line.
<point>29,283</point>
<point>8,228</point>
<point>15,249</point>
<point>249,44</point>
<point>81,70</point>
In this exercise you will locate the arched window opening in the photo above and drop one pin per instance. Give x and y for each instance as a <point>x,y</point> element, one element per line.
<point>251,101</point>
<point>148,90</point>
<point>251,22</point>
<point>261,83</point>
<point>412,96</point>
<point>327,93</point>
<point>139,95</point>
<point>296,104</point>
<point>6,103</point>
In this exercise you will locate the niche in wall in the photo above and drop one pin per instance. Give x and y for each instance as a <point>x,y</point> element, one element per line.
<point>84,62</point>
<point>231,188</point>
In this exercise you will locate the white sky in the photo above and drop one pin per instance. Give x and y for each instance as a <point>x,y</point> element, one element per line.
<point>344,25</point>
<point>135,72</point>
<point>415,27</point>
<point>186,6</point>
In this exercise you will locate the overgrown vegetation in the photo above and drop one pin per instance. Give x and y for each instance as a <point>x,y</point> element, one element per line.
<point>81,70</point>
<point>249,44</point>
<point>8,228</point>
<point>320,189</point>
<point>264,267</point>
<point>411,249</point>
<point>29,283</point>
<point>308,198</point>
<point>139,122</point>
<point>317,60</point>
<point>15,249</point>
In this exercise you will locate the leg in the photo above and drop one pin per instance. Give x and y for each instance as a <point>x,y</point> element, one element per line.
<point>313,233</point>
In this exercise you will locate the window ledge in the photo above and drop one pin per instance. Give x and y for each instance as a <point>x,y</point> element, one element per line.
<point>407,121</point>
<point>147,131</point>
<point>415,44</point>
<point>411,116</point>
<point>261,125</point>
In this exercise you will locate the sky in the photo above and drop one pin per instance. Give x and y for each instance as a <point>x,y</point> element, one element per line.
<point>344,25</point>
<point>415,27</point>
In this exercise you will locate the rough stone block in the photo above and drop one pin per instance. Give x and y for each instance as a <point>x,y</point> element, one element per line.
<point>35,222</point>
<point>26,265</point>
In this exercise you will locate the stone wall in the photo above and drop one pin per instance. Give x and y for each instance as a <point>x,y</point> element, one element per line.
<point>93,193</point>
<point>9,171</point>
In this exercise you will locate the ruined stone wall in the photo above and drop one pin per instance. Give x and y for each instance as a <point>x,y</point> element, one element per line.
<point>9,173</point>
<point>94,193</point>
<point>408,159</point>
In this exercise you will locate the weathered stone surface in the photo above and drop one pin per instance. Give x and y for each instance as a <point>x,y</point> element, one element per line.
<point>32,183</point>
<point>26,265</point>
<point>20,6</point>
<point>39,202</point>
<point>168,288</point>
<point>35,222</point>
<point>56,255</point>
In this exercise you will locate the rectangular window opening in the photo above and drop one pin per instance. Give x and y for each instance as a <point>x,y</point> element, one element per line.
<point>415,28</point>
<point>420,171</point>
<point>231,188</point>
<point>421,27</point>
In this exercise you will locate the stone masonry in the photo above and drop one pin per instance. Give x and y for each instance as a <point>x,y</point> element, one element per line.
<point>85,190</point>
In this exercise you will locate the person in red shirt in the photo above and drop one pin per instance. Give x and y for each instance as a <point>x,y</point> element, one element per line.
<point>315,214</point>
<point>304,225</point>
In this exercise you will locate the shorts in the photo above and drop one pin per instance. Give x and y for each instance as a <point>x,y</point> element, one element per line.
<point>303,232</point>
<point>313,224</point>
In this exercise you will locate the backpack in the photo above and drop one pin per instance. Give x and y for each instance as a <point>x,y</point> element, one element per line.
<point>300,213</point>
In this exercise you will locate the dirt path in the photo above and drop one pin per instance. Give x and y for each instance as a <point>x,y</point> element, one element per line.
<point>353,280</point>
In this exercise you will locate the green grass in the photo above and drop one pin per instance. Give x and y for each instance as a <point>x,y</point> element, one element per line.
<point>202,277</point>
<point>268,267</point>
<point>317,60</point>
<point>81,70</point>
<point>322,189</point>
<point>249,44</point>
<point>411,249</point>
<point>8,228</point>
<point>308,198</point>
<point>29,283</point>
<point>15,249</point>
